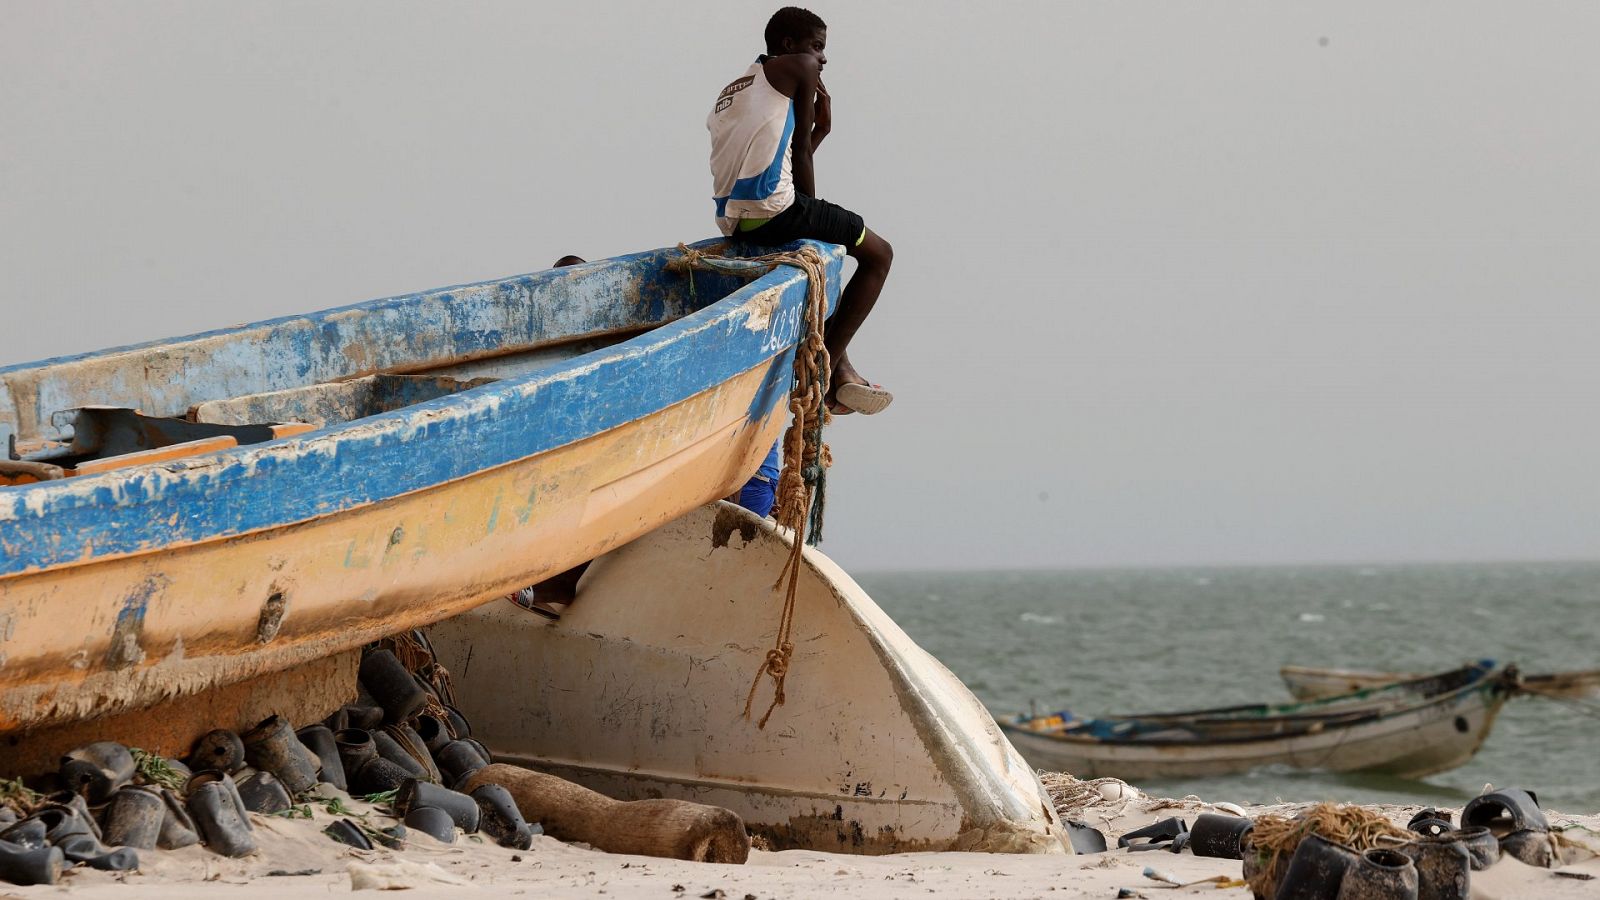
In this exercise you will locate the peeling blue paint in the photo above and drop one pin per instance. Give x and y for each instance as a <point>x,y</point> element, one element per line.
<point>351,465</point>
<point>131,616</point>
<point>774,388</point>
<point>125,649</point>
<point>525,510</point>
<point>409,332</point>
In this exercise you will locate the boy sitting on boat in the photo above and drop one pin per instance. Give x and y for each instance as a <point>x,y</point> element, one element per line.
<point>765,127</point>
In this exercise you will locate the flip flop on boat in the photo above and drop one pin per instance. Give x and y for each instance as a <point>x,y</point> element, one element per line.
<point>527,599</point>
<point>867,399</point>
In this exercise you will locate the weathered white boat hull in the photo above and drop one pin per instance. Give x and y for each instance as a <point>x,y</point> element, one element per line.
<point>1418,742</point>
<point>638,691</point>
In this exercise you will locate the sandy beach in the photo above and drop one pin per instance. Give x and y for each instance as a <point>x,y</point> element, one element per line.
<point>297,860</point>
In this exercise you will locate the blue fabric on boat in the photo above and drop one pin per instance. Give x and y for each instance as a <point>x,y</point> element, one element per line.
<point>758,493</point>
<point>757,496</point>
<point>772,465</point>
<point>1103,729</point>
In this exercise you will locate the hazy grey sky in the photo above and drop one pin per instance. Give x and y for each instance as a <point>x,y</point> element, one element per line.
<point>1176,283</point>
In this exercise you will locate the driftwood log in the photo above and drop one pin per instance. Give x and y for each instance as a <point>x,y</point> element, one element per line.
<point>674,829</point>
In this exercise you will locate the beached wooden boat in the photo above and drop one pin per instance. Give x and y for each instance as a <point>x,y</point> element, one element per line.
<point>639,691</point>
<point>1308,683</point>
<point>1410,729</point>
<point>462,442</point>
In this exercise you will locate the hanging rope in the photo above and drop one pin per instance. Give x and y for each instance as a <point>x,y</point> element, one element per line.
<point>801,491</point>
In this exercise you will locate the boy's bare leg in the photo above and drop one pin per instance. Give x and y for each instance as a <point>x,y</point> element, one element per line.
<point>874,257</point>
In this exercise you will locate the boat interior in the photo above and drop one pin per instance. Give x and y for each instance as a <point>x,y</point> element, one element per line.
<point>249,384</point>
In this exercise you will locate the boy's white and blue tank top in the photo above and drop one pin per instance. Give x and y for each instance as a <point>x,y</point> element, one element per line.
<point>750,126</point>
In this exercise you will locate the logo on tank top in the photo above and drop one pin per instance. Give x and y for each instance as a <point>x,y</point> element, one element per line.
<point>725,99</point>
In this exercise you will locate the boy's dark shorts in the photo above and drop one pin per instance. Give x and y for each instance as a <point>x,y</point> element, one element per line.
<point>808,217</point>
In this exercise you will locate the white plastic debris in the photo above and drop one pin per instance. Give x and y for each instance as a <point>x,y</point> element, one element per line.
<point>1232,809</point>
<point>1112,789</point>
<point>399,876</point>
<point>1155,874</point>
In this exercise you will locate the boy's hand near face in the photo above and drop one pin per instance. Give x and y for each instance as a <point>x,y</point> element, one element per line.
<point>822,115</point>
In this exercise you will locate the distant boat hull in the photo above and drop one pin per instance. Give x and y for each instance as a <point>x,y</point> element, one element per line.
<point>1307,683</point>
<point>638,691</point>
<point>140,585</point>
<point>1389,736</point>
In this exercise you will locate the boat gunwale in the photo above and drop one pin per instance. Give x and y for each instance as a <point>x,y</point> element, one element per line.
<point>1161,761</point>
<point>1529,679</point>
<point>379,304</point>
<point>34,504</point>
<point>1471,672</point>
<point>1488,683</point>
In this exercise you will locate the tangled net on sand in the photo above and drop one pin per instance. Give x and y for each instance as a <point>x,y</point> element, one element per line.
<point>15,794</point>
<point>1274,838</point>
<point>1069,795</point>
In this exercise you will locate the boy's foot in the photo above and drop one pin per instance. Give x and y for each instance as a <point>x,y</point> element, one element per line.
<point>853,393</point>
<point>529,599</point>
<point>867,399</point>
<point>550,597</point>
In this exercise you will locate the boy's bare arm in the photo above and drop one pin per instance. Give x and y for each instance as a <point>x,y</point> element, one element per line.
<point>797,76</point>
<point>822,113</point>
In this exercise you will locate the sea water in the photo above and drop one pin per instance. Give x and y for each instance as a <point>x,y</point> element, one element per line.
<point>1122,641</point>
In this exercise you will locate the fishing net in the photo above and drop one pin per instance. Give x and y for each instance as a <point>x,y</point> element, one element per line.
<point>1071,796</point>
<point>19,797</point>
<point>1273,840</point>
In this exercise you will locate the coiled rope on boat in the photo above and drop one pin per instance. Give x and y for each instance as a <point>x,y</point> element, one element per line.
<point>802,487</point>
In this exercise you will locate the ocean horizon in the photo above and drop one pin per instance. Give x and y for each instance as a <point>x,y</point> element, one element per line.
<point>1123,640</point>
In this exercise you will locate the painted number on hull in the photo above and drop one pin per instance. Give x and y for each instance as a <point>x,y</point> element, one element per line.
<point>784,330</point>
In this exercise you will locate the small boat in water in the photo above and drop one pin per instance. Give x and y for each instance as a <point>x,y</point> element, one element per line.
<point>1307,683</point>
<point>1410,729</point>
<point>189,513</point>
<point>640,691</point>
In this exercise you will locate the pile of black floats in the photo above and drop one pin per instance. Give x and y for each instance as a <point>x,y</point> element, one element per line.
<point>403,740</point>
<point>95,814</point>
<point>1519,826</point>
<point>397,743</point>
<point>1212,834</point>
<point>1437,864</point>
